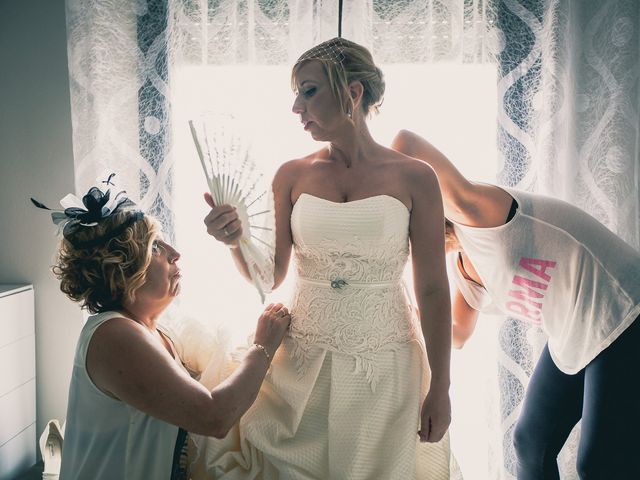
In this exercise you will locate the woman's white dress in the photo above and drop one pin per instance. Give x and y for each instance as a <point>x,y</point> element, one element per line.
<point>343,396</point>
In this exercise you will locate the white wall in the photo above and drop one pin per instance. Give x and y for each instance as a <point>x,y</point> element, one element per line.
<point>36,160</point>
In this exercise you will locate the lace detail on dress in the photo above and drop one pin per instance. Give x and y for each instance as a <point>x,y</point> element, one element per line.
<point>332,259</point>
<point>350,299</point>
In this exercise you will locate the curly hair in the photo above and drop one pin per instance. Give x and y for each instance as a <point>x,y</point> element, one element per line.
<point>100,278</point>
<point>356,64</point>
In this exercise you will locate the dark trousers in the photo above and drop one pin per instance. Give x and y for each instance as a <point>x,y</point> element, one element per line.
<point>605,395</point>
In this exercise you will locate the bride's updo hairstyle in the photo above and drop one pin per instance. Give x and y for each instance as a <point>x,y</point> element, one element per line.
<point>343,62</point>
<point>101,274</point>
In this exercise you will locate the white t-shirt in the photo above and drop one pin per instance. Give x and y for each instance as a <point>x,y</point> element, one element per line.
<point>556,266</point>
<point>107,439</point>
<point>474,294</point>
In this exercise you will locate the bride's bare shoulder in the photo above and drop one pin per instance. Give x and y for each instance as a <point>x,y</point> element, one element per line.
<point>291,170</point>
<point>411,168</point>
<point>295,164</point>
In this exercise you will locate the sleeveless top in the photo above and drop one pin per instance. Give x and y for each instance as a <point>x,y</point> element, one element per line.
<point>107,439</point>
<point>556,266</point>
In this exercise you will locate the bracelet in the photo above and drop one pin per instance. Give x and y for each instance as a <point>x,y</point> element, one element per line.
<point>264,350</point>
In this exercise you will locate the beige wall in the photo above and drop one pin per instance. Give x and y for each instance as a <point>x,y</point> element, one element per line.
<point>36,160</point>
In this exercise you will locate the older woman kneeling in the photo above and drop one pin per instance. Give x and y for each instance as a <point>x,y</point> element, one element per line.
<point>131,401</point>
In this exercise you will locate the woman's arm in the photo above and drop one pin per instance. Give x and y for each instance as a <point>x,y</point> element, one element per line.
<point>224,225</point>
<point>282,185</point>
<point>464,320</point>
<point>469,203</point>
<point>127,361</point>
<point>426,231</point>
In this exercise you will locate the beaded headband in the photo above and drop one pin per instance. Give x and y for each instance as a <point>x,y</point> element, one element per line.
<point>95,206</point>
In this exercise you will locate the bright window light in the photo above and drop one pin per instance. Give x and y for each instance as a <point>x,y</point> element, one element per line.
<point>453,106</point>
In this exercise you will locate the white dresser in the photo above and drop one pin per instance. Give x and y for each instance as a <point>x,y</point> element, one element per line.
<point>17,380</point>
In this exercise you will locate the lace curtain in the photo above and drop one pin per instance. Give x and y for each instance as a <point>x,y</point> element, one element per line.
<point>121,54</point>
<point>569,123</point>
<point>568,104</point>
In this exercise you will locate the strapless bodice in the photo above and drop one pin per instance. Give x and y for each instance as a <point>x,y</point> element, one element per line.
<point>349,294</point>
<point>362,241</point>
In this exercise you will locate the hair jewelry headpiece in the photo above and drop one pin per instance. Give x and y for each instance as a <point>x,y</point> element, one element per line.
<point>95,206</point>
<point>331,50</point>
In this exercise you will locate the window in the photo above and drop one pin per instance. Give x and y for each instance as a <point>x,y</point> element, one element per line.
<point>454,106</point>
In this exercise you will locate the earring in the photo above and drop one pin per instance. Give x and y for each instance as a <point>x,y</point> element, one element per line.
<point>349,113</point>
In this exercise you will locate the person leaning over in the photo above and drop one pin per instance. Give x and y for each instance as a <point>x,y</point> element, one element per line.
<point>549,263</point>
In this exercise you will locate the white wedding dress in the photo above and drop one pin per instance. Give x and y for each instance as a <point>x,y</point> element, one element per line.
<point>343,396</point>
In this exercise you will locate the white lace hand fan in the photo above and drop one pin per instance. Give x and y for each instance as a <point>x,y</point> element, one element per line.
<point>233,179</point>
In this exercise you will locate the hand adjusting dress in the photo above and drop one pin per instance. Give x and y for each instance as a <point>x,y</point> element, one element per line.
<point>343,396</point>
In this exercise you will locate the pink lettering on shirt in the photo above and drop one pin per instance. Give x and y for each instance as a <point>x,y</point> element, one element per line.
<point>537,267</point>
<point>529,293</point>
<point>532,314</point>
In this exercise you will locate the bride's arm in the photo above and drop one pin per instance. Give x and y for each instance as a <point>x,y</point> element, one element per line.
<point>223,224</point>
<point>426,230</point>
<point>282,185</point>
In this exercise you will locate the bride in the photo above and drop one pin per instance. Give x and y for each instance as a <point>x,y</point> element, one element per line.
<point>350,393</point>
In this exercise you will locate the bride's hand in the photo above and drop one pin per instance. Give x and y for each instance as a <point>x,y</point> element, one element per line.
<point>435,415</point>
<point>223,223</point>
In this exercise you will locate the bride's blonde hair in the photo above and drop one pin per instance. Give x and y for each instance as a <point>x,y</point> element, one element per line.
<point>344,61</point>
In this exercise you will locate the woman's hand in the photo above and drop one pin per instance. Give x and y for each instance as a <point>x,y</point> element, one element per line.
<point>435,416</point>
<point>223,222</point>
<point>272,326</point>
